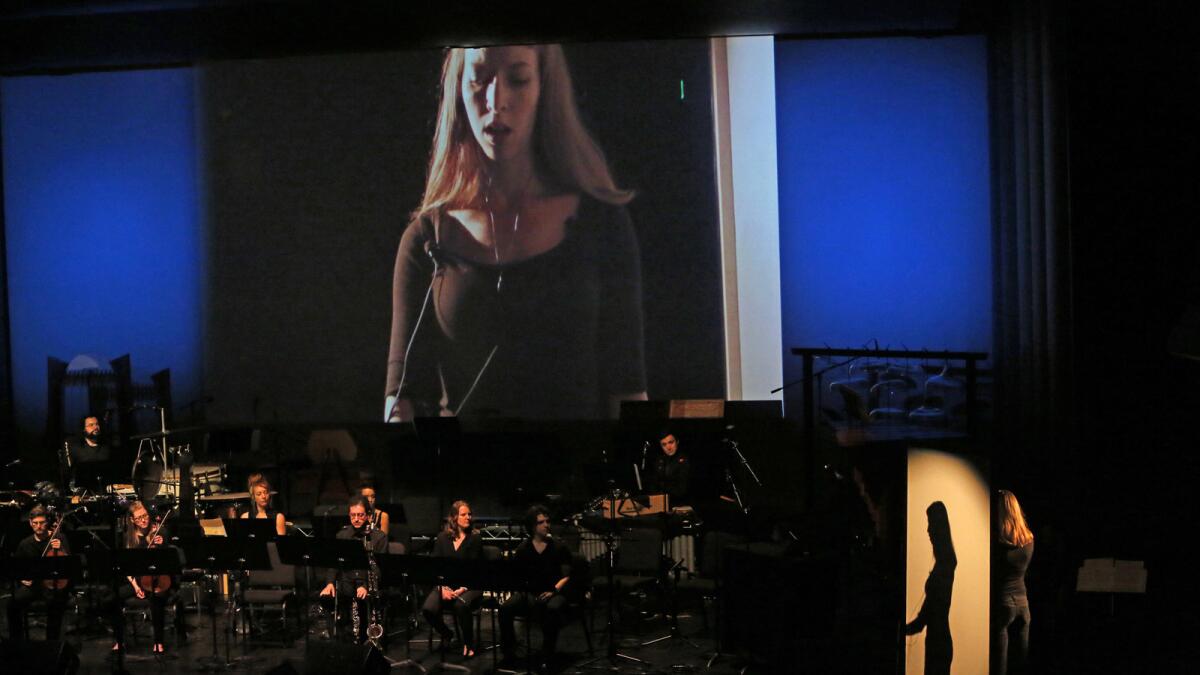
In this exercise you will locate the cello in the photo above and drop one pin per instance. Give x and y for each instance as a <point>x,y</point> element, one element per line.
<point>160,583</point>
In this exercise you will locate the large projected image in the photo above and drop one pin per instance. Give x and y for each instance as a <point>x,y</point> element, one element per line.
<point>566,279</point>
<point>514,232</point>
<point>521,253</point>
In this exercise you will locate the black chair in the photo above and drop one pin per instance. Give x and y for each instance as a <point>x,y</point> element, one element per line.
<point>271,589</point>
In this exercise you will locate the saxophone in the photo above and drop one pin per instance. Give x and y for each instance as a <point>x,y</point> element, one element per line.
<point>375,627</point>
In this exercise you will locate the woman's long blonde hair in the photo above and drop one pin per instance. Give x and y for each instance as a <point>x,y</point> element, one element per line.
<point>566,157</point>
<point>1011,520</point>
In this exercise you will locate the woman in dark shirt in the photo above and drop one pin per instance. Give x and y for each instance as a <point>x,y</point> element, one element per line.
<point>141,532</point>
<point>1012,550</point>
<point>456,540</point>
<point>260,506</point>
<point>517,285</point>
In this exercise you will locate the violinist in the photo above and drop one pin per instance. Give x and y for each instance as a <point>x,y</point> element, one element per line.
<point>42,542</point>
<point>378,517</point>
<point>260,506</point>
<point>141,532</point>
<point>352,586</point>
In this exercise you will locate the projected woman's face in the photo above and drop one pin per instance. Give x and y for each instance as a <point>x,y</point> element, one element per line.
<point>500,90</point>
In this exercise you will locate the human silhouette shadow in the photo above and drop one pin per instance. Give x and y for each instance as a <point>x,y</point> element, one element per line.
<point>934,617</point>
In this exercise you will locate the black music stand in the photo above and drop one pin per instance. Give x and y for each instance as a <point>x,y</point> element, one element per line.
<point>56,568</point>
<point>439,433</point>
<point>611,526</point>
<point>300,552</point>
<point>342,555</point>
<point>237,552</point>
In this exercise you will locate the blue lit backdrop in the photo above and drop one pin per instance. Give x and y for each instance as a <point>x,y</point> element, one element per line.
<point>101,218</point>
<point>884,193</point>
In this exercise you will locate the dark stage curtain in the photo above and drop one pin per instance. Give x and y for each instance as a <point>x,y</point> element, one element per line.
<point>1032,253</point>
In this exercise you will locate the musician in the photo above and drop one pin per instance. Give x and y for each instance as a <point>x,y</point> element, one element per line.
<point>260,506</point>
<point>456,540</point>
<point>548,564</point>
<point>141,532</point>
<point>27,591</point>
<point>352,586</point>
<point>671,469</point>
<point>87,459</point>
<point>378,517</point>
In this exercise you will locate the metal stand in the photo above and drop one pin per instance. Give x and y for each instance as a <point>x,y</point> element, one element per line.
<point>614,658</point>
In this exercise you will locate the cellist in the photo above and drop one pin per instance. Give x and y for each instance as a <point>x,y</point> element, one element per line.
<point>141,533</point>
<point>38,544</point>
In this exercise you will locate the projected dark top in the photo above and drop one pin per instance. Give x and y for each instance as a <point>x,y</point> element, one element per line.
<point>565,325</point>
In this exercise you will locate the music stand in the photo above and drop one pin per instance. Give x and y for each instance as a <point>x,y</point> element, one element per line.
<point>610,527</point>
<point>439,433</point>
<point>54,568</point>
<point>342,555</point>
<point>218,555</point>
<point>43,568</point>
<point>299,552</point>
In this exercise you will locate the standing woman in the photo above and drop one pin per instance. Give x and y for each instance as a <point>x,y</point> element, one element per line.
<point>1012,550</point>
<point>456,540</point>
<point>260,506</point>
<point>517,285</point>
<point>140,532</point>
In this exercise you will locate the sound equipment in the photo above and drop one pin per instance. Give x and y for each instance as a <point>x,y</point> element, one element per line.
<point>335,658</point>
<point>39,657</point>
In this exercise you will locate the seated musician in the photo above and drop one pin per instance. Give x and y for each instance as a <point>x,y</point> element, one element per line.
<point>352,586</point>
<point>260,506</point>
<point>548,564</point>
<point>456,540</point>
<point>141,532</point>
<point>27,590</point>
<point>671,469</point>
<point>378,517</point>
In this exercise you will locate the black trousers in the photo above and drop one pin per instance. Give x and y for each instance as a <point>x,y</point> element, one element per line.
<point>114,604</point>
<point>463,608</point>
<point>346,599</point>
<point>551,613</point>
<point>24,596</point>
<point>1010,635</point>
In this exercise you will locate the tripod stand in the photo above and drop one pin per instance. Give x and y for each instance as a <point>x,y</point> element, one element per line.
<point>613,657</point>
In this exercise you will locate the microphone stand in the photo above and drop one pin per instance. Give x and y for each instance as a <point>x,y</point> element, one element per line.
<point>610,553</point>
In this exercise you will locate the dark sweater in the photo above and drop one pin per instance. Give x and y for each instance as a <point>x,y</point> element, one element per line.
<point>566,324</point>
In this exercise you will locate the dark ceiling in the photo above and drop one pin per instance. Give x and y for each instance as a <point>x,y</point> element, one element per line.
<point>64,36</point>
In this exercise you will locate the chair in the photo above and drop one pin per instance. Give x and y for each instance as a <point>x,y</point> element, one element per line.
<point>488,601</point>
<point>272,588</point>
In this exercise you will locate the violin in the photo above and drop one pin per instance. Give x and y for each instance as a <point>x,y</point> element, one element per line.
<point>160,583</point>
<point>51,552</point>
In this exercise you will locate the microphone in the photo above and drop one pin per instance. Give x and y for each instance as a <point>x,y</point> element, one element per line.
<point>434,251</point>
<point>12,463</point>
<point>645,449</point>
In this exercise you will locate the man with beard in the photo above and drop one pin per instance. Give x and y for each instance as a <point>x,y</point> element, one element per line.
<point>87,458</point>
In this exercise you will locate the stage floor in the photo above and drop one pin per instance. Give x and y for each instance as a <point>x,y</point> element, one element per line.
<point>260,655</point>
